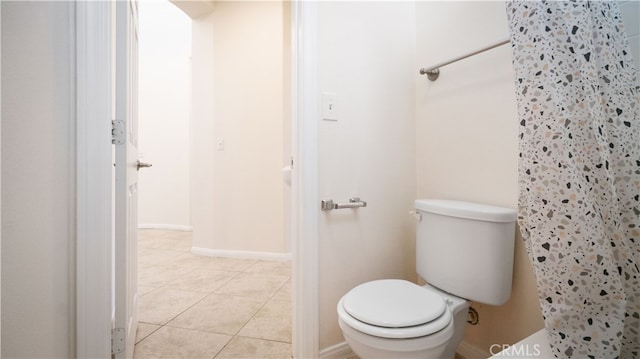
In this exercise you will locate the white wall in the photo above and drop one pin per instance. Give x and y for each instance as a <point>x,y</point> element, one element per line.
<point>366,55</point>
<point>242,44</point>
<point>202,143</point>
<point>164,115</point>
<point>0,182</point>
<point>38,234</point>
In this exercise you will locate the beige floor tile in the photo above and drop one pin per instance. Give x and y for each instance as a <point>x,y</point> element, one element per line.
<point>144,330</point>
<point>142,245</point>
<point>192,260</point>
<point>153,256</point>
<point>146,242</point>
<point>271,267</point>
<point>150,233</point>
<point>249,348</point>
<point>165,242</point>
<point>254,285</point>
<point>160,275</point>
<point>162,305</point>
<point>272,322</point>
<point>214,263</point>
<point>176,244</point>
<point>147,238</point>
<point>175,343</point>
<point>142,290</point>
<point>180,235</point>
<point>218,313</point>
<point>172,282</point>
<point>232,264</point>
<point>202,280</point>
<point>284,293</point>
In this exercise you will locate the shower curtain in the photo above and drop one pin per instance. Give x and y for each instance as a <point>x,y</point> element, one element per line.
<point>579,172</point>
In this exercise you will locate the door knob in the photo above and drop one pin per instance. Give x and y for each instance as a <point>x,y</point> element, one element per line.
<point>143,165</point>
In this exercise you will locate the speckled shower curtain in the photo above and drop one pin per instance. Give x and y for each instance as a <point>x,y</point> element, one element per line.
<point>577,92</point>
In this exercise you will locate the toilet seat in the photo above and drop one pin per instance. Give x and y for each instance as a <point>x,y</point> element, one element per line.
<point>395,309</point>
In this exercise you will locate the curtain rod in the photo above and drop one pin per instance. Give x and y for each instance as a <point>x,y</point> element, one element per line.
<point>434,71</point>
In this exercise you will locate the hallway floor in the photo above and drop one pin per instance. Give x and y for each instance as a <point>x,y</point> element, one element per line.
<point>195,306</point>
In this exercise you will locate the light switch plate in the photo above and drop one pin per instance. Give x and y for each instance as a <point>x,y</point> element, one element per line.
<point>329,106</point>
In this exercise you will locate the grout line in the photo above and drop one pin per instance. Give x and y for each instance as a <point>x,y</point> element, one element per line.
<point>258,311</point>
<point>224,346</point>
<point>266,340</point>
<point>148,335</point>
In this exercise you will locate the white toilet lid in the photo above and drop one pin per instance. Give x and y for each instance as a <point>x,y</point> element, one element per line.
<point>393,303</point>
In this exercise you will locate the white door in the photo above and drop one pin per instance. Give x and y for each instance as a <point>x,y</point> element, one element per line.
<point>126,179</point>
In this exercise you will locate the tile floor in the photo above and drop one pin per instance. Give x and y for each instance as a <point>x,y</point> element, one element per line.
<point>209,307</point>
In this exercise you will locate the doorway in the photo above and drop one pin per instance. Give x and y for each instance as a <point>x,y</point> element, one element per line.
<point>223,139</point>
<point>228,160</point>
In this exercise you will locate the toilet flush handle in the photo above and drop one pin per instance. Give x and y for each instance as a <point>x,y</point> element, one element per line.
<point>416,215</point>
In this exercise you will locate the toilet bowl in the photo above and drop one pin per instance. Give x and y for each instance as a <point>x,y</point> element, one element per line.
<point>398,319</point>
<point>464,251</point>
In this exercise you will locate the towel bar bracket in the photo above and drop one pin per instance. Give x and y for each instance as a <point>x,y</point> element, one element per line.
<point>431,74</point>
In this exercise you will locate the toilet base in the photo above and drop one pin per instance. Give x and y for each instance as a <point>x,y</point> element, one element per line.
<point>370,347</point>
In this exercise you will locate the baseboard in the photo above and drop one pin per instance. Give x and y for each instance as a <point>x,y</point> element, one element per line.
<point>468,351</point>
<point>242,254</point>
<point>175,227</point>
<point>338,351</point>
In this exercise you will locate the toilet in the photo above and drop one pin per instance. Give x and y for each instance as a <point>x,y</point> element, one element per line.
<point>464,251</point>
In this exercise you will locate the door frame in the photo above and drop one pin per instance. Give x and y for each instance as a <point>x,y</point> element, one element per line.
<point>0,177</point>
<point>94,295</point>
<point>94,179</point>
<point>305,206</point>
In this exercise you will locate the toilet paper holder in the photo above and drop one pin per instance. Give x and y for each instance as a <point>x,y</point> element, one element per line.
<point>354,202</point>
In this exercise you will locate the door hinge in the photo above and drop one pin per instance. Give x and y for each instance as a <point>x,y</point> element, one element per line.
<point>117,341</point>
<point>118,129</point>
<point>291,162</point>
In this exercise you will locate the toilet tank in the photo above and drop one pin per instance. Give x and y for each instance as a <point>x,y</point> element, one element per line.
<point>466,249</point>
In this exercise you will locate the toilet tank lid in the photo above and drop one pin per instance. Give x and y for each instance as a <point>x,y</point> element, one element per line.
<point>469,210</point>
